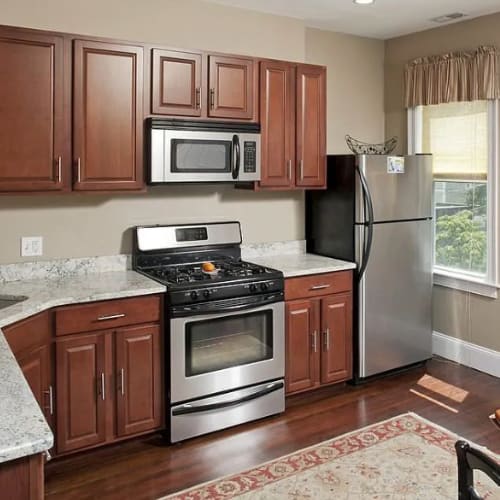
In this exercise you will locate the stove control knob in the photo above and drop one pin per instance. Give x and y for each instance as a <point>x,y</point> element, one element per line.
<point>253,287</point>
<point>194,294</point>
<point>264,286</point>
<point>206,293</point>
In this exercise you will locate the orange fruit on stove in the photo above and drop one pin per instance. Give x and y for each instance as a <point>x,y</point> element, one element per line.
<point>208,266</point>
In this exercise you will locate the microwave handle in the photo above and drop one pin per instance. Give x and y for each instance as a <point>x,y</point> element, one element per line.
<point>236,157</point>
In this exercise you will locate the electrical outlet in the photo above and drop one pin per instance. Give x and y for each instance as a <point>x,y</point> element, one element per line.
<point>31,246</point>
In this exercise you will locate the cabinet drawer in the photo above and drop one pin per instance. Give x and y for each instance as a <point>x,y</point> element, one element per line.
<point>317,285</point>
<point>29,333</point>
<point>107,314</point>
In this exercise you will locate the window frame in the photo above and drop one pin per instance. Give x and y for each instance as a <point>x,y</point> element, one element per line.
<point>469,282</point>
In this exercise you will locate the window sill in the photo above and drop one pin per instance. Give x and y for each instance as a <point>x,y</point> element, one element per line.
<point>465,284</point>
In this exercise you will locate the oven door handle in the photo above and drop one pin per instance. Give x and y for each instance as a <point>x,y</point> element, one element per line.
<point>188,408</point>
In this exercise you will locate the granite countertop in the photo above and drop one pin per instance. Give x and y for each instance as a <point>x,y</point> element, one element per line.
<point>301,264</point>
<point>23,429</point>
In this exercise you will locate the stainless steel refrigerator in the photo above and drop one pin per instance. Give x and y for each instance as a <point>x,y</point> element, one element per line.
<point>377,211</point>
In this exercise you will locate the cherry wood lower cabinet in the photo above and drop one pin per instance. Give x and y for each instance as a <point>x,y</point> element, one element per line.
<point>318,332</point>
<point>100,400</point>
<point>22,479</point>
<point>31,343</point>
<point>138,372</point>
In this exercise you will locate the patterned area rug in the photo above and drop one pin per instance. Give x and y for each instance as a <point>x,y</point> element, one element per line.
<point>406,457</point>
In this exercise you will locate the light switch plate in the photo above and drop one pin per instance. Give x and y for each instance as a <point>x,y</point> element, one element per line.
<point>31,246</point>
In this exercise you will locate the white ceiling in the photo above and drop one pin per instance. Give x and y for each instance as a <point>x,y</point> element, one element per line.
<point>384,19</point>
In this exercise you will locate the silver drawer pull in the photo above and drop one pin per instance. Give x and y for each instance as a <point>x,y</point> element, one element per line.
<point>110,316</point>
<point>319,287</point>
<point>103,387</point>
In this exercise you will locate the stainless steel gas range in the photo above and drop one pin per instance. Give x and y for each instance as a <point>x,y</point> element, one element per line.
<point>225,326</point>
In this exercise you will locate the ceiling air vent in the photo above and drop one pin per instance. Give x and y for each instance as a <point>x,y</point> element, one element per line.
<point>448,17</point>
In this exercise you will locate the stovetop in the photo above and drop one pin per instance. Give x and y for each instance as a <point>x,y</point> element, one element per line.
<point>175,256</point>
<point>193,273</point>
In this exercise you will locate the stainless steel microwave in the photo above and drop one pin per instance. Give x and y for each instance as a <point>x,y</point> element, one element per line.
<point>195,151</point>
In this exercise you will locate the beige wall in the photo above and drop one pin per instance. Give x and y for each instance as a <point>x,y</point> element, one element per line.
<point>355,82</point>
<point>80,225</point>
<point>463,315</point>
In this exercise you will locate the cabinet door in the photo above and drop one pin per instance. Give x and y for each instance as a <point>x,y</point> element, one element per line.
<point>82,390</point>
<point>31,110</point>
<point>311,126</point>
<point>336,338</point>
<point>176,83</point>
<point>232,88</point>
<point>37,369</point>
<point>138,375</point>
<point>277,112</point>
<point>302,345</point>
<point>108,116</point>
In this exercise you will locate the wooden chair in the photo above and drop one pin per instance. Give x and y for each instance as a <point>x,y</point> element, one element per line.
<point>470,459</point>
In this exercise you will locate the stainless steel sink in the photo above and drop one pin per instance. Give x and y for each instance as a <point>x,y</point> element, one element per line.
<point>6,301</point>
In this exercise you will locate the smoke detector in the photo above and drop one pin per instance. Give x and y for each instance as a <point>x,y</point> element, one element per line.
<point>448,17</point>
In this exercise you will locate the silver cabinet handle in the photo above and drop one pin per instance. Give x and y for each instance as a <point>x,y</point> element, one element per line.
<point>103,387</point>
<point>314,341</point>
<point>212,98</point>
<point>301,165</point>
<point>327,339</point>
<point>111,316</point>
<point>122,382</point>
<point>198,98</point>
<point>319,287</point>
<point>50,393</point>
<point>79,169</point>
<point>59,169</point>
<point>289,164</point>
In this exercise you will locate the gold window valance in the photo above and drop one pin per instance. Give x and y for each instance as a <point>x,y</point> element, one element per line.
<point>453,77</point>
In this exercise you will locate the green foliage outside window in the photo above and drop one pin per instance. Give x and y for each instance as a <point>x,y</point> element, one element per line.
<point>461,242</point>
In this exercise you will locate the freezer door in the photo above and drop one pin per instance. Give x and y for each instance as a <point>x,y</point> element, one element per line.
<point>394,300</point>
<point>396,196</point>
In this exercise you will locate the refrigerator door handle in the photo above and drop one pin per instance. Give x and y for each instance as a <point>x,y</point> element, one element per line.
<point>369,217</point>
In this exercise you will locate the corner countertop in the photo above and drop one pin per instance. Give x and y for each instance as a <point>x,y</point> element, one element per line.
<point>301,264</point>
<point>23,428</point>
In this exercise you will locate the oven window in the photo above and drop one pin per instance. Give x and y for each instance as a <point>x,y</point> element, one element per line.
<point>192,155</point>
<point>220,343</point>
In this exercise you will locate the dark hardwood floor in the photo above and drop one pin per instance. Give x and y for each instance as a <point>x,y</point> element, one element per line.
<point>453,396</point>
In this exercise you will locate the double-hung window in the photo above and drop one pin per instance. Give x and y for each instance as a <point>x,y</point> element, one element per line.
<point>463,138</point>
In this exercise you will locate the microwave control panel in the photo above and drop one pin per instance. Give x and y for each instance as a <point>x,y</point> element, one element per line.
<point>249,156</point>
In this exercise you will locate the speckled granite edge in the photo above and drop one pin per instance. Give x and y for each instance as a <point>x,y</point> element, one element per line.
<point>61,268</point>
<point>23,428</point>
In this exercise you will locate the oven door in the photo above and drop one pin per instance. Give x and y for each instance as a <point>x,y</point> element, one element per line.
<point>224,351</point>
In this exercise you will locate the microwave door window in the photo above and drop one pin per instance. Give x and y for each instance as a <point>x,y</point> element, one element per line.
<point>204,156</point>
<point>213,345</point>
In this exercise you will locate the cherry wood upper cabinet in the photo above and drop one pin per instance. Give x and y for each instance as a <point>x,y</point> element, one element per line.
<point>138,375</point>
<point>232,87</point>
<point>311,126</point>
<point>107,116</point>
<point>33,156</point>
<point>277,115</point>
<point>336,328</point>
<point>176,82</point>
<point>82,390</point>
<point>302,345</point>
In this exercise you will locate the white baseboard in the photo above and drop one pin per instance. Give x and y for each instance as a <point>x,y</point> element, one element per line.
<point>481,358</point>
